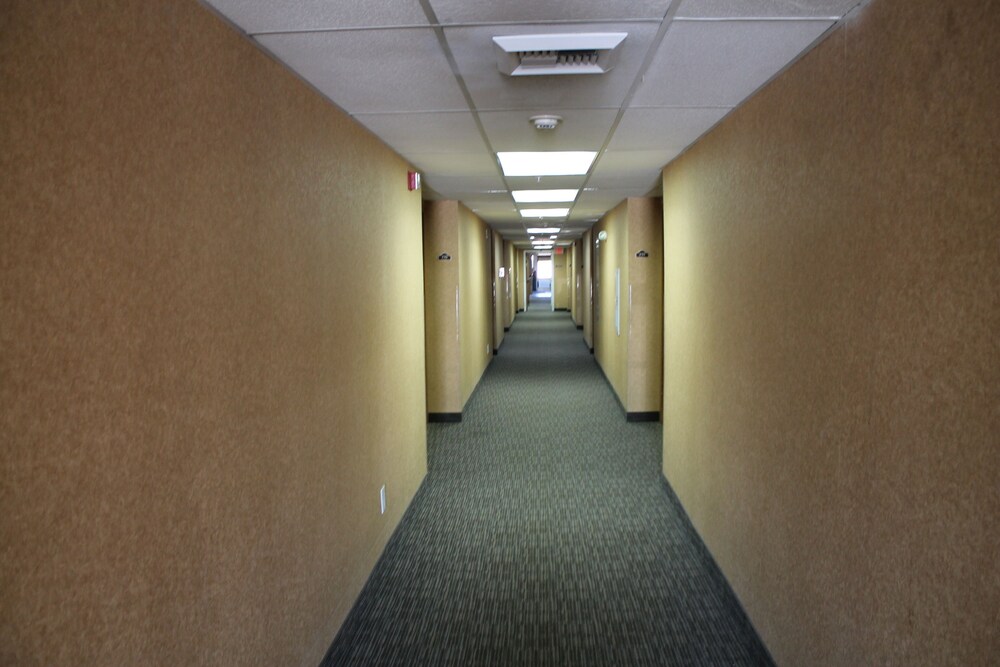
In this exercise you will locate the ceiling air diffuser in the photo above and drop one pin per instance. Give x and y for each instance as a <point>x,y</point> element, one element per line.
<point>537,55</point>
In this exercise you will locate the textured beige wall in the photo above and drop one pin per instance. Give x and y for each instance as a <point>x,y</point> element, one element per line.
<point>525,279</point>
<point>476,296</point>
<point>509,263</point>
<point>611,343</point>
<point>832,361</point>
<point>561,280</point>
<point>631,357</point>
<point>586,283</point>
<point>572,282</point>
<point>645,298</point>
<point>441,308</point>
<point>498,288</point>
<point>208,369</point>
<point>576,258</point>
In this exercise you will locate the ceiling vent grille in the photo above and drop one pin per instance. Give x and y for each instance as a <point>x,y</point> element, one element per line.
<point>537,55</point>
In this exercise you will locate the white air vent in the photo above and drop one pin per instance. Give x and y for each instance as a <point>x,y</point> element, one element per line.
<point>580,53</point>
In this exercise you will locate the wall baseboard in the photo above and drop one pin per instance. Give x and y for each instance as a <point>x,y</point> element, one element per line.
<point>642,416</point>
<point>579,326</point>
<point>444,417</point>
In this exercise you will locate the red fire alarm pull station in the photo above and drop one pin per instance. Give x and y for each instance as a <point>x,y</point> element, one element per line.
<point>413,180</point>
<point>559,251</point>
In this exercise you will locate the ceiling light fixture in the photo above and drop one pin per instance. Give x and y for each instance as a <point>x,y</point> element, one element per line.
<point>544,213</point>
<point>546,163</point>
<point>543,196</point>
<point>543,230</point>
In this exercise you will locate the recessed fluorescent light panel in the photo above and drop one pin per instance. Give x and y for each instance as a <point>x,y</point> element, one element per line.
<point>544,212</point>
<point>543,230</point>
<point>536,196</point>
<point>546,163</point>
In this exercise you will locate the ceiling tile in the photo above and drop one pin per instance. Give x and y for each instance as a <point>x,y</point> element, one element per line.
<point>451,174</point>
<point>491,11</point>
<point>461,164</point>
<point>494,212</point>
<point>764,8</point>
<point>720,63</point>
<point>580,130</point>
<point>491,91</point>
<point>664,127</point>
<point>490,206</point>
<point>372,71</point>
<point>445,184</point>
<point>445,132</point>
<point>636,170</point>
<point>601,201</point>
<point>545,182</point>
<point>278,15</point>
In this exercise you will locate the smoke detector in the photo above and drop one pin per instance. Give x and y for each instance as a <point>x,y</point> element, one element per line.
<point>545,122</point>
<point>569,53</point>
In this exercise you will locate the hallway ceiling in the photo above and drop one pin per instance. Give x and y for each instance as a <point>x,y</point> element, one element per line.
<point>423,76</point>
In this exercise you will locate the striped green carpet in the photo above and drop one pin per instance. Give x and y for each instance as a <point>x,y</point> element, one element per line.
<point>544,534</point>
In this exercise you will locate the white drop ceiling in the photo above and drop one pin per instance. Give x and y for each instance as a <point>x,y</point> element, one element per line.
<point>422,75</point>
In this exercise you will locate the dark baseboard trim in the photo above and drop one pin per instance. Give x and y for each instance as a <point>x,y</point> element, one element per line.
<point>496,351</point>
<point>629,416</point>
<point>444,417</point>
<point>591,350</point>
<point>579,326</point>
<point>561,310</point>
<point>506,328</point>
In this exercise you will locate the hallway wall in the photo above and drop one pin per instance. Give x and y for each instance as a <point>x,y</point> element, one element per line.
<point>510,302</point>
<point>561,287</point>
<point>611,342</point>
<point>832,364</point>
<point>209,368</point>
<point>441,314</point>
<point>498,289</point>
<point>459,340</point>
<point>476,299</point>
<point>587,284</point>
<point>631,354</point>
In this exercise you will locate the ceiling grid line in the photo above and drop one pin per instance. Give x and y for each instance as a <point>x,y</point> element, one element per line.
<point>654,46</point>
<point>459,79</point>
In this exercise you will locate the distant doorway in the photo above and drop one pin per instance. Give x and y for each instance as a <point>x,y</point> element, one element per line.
<point>544,282</point>
<point>541,294</point>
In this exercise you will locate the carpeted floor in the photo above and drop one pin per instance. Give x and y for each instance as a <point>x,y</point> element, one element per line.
<point>544,534</point>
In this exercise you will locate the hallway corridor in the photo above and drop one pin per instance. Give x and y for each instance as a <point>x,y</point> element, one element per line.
<point>544,534</point>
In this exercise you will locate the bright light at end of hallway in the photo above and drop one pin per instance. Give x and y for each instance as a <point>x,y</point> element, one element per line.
<point>538,196</point>
<point>546,163</point>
